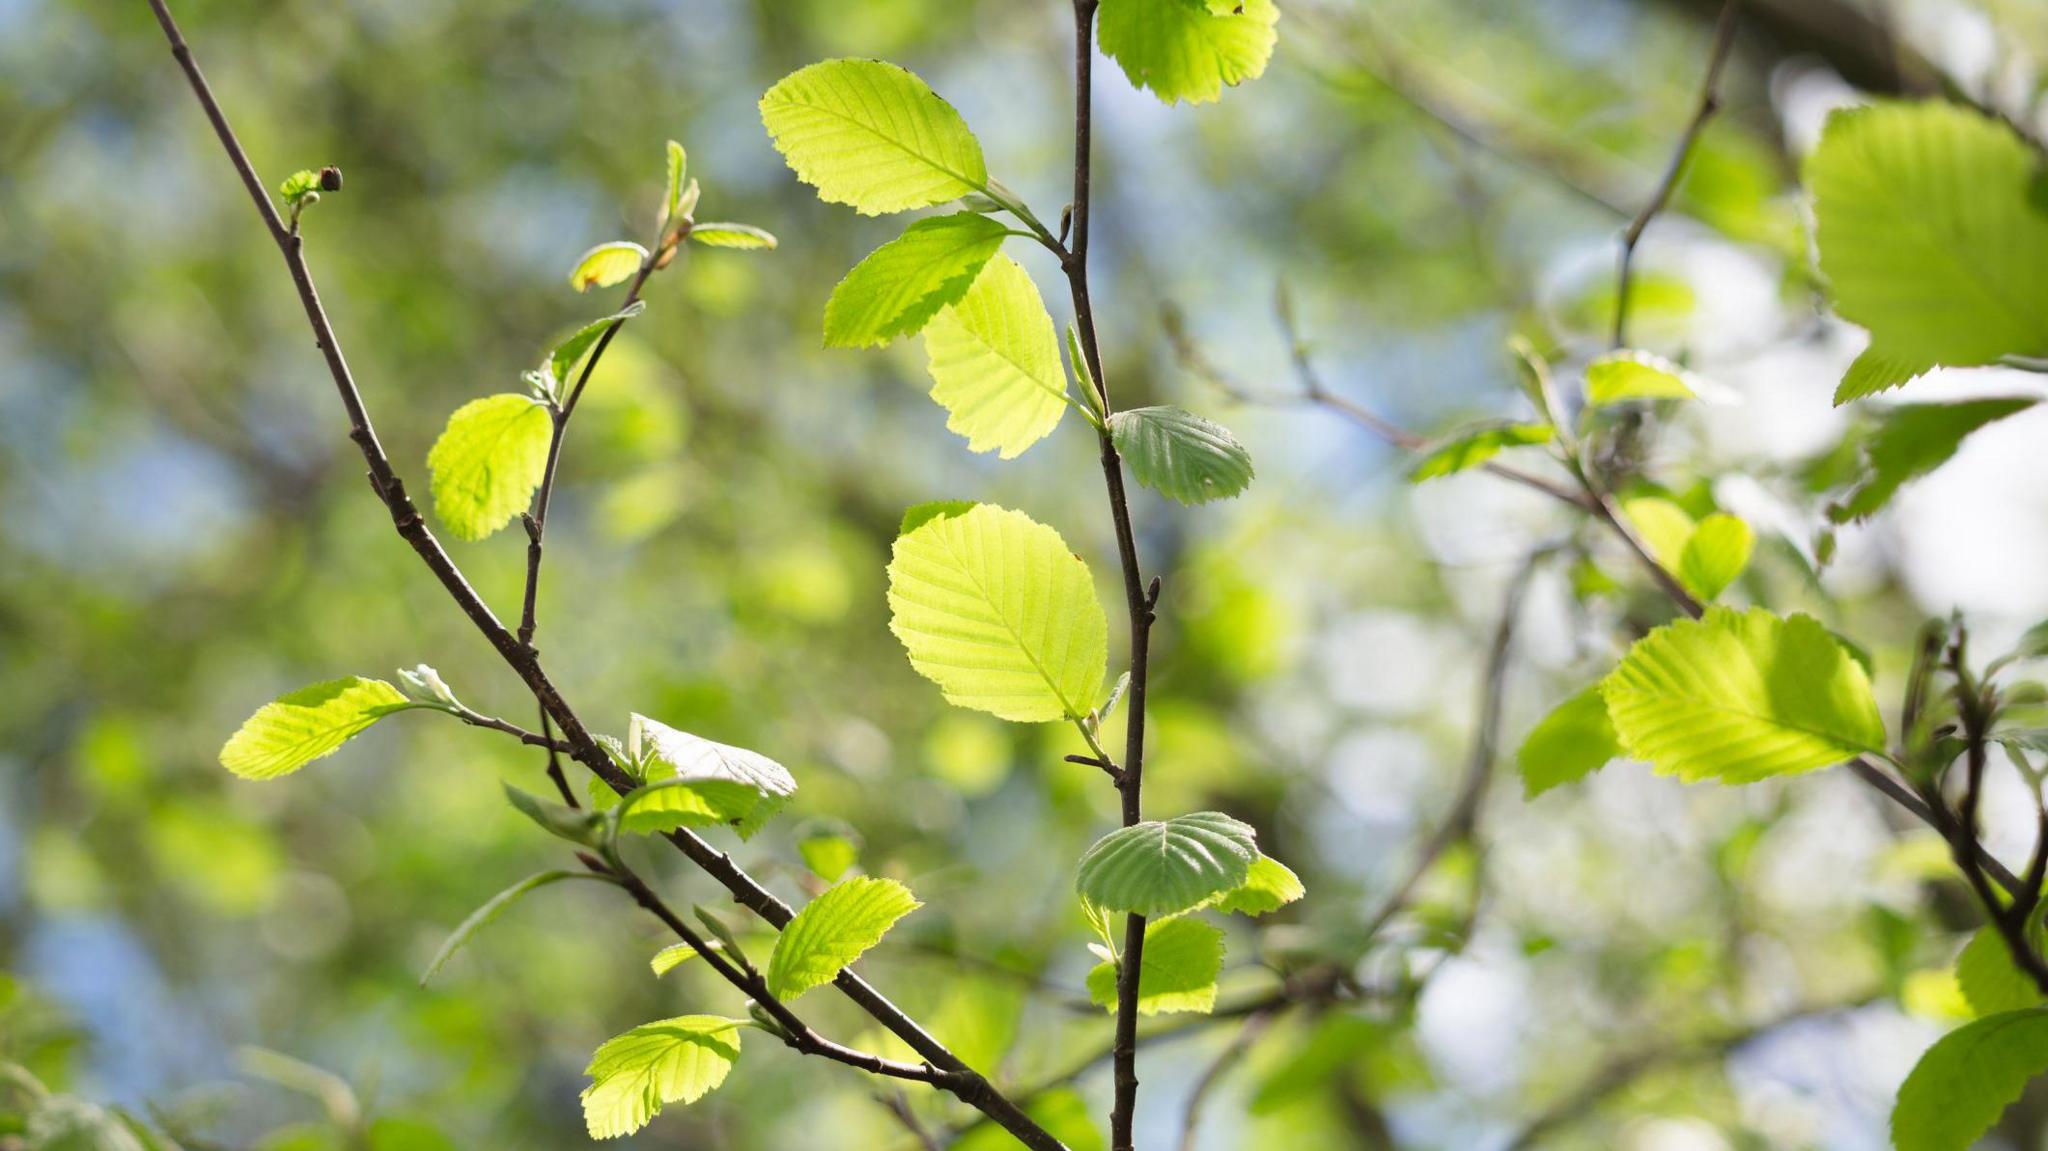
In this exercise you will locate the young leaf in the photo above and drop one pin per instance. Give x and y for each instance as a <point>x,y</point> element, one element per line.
<point>1911,441</point>
<point>995,362</point>
<point>678,170</point>
<point>1967,1079</point>
<point>488,462</point>
<point>557,819</point>
<point>567,354</point>
<point>1634,376</point>
<point>296,729</point>
<point>1189,49</point>
<point>724,234</point>
<point>676,1060</point>
<point>1474,447</point>
<point>607,264</point>
<point>1990,980</point>
<point>1715,553</point>
<point>873,136</point>
<point>1877,371</point>
<point>675,955</point>
<point>494,907</point>
<point>902,284</point>
<point>1181,455</point>
<point>828,856</point>
<point>302,186</point>
<point>692,757</point>
<point>994,608</point>
<point>1572,742</point>
<point>1930,237</point>
<point>1183,959</point>
<point>833,930</point>
<point>1742,696</point>
<point>1268,886</point>
<point>694,782</point>
<point>1156,869</point>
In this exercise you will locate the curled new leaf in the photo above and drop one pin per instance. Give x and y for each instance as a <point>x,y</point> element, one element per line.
<point>724,234</point>
<point>1163,868</point>
<point>296,729</point>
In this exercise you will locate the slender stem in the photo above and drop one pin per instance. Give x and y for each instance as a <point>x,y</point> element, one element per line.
<point>1254,1026</point>
<point>963,1082</point>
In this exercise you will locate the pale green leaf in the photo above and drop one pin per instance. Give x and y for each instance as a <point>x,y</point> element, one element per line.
<point>1715,553</point>
<point>833,930</point>
<point>1877,371</point>
<point>1990,980</point>
<point>901,285</point>
<point>488,462</point>
<point>696,782</point>
<point>1621,376</point>
<point>607,264</point>
<point>1179,454</point>
<point>1931,235</point>
<point>1159,868</point>
<point>558,819</point>
<point>994,608</point>
<point>676,1060</point>
<point>872,135</point>
<point>1739,696</point>
<point>995,362</point>
<point>296,729</point>
<point>1269,886</point>
<point>567,354</point>
<point>1913,440</point>
<point>1182,961</point>
<point>1475,446</point>
<point>678,170</point>
<point>1967,1079</point>
<point>1189,49</point>
<point>1663,526</point>
<point>725,234</point>
<point>675,955</point>
<point>1572,742</point>
<point>494,907</point>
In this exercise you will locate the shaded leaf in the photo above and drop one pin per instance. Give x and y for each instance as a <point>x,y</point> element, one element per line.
<point>1162,868</point>
<point>1471,448</point>
<point>1967,1079</point>
<point>1179,454</point>
<point>1912,440</point>
<point>494,907</point>
<point>1573,741</point>
<point>901,285</point>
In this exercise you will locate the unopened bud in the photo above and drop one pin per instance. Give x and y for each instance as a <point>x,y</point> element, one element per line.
<point>330,179</point>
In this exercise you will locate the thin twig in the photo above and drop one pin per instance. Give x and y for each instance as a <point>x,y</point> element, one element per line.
<point>1191,1118</point>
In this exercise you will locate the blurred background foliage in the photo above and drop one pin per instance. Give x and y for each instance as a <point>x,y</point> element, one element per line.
<point>185,533</point>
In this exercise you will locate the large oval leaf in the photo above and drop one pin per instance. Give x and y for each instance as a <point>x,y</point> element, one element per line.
<point>1179,454</point>
<point>1164,868</point>
<point>833,930</point>
<point>296,729</point>
<point>872,135</point>
<point>995,362</point>
<point>488,462</point>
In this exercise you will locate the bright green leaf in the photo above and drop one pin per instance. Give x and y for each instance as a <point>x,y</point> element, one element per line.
<point>567,354</point>
<point>1269,886</point>
<point>494,907</point>
<point>1179,454</point>
<point>1990,980</point>
<point>488,462</point>
<point>1163,868</point>
<point>696,782</point>
<point>1877,371</point>
<point>872,135</point>
<point>1634,376</point>
<point>1913,440</point>
<point>1741,696</point>
<point>1715,553</point>
<point>302,186</point>
<point>1189,49</point>
<point>296,729</point>
<point>1663,526</point>
<point>676,1060</point>
<point>994,608</point>
<point>1471,448</point>
<point>678,170</point>
<point>901,285</point>
<point>828,856</point>
<point>995,362</point>
<point>1967,1079</point>
<point>1183,959</point>
<point>833,930</point>
<point>675,955</point>
<point>1572,742</point>
<point>724,234</point>
<point>607,264</point>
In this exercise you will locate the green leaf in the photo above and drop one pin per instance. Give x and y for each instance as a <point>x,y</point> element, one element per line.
<point>676,1060</point>
<point>1179,454</point>
<point>607,264</point>
<point>678,170</point>
<point>1471,448</point>
<point>1967,1079</point>
<point>1164,868</point>
<point>1913,440</point>
<point>725,234</point>
<point>1931,236</point>
<point>1664,527</point>
<point>695,782</point>
<point>494,907</point>
<point>567,354</point>
<point>994,608</point>
<point>675,955</point>
<point>1989,978</point>
<point>828,856</point>
<point>1183,959</point>
<point>1189,49</point>
<point>488,462</point>
<point>1876,371</point>
<point>903,284</point>
<point>1740,696</point>
<point>296,729</point>
<point>1572,742</point>
<point>1715,553</point>
<point>301,186</point>
<point>557,819</point>
<point>833,930</point>
<point>1269,886</point>
<point>995,362</point>
<point>872,135</point>
<point>1621,376</point>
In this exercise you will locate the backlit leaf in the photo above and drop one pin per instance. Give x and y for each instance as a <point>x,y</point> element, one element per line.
<point>488,461</point>
<point>1268,886</point>
<point>1183,959</point>
<point>1475,446</point>
<point>995,362</point>
<point>607,264</point>
<point>296,729</point>
<point>901,285</point>
<point>872,135</point>
<point>724,234</point>
<point>1189,49</point>
<point>833,930</point>
<point>676,1060</point>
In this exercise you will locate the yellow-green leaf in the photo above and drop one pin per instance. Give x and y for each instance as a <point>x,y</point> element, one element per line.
<point>606,264</point>
<point>1635,376</point>
<point>901,285</point>
<point>1182,961</point>
<point>1189,49</point>
<point>296,729</point>
<point>724,234</point>
<point>488,462</point>
<point>676,1060</point>
<point>995,362</point>
<point>872,135</point>
<point>833,930</point>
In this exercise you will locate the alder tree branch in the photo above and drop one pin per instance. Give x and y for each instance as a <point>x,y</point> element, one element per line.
<point>960,1080</point>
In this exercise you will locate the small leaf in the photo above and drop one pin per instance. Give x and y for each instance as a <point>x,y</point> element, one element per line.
<point>828,856</point>
<point>607,264</point>
<point>675,955</point>
<point>994,608</point>
<point>1269,886</point>
<point>873,136</point>
<point>1181,455</point>
<point>1990,980</point>
<point>488,462</point>
<point>1183,959</point>
<point>1715,554</point>
<point>302,186</point>
<point>1967,1079</point>
<point>1189,49</point>
<point>1742,696</point>
<point>678,170</point>
<point>567,354</point>
<point>833,930</point>
<point>1913,440</point>
<point>1471,448</point>
<point>296,729</point>
<point>1877,371</point>
<point>995,362</point>
<point>1572,742</point>
<point>676,1060</point>
<point>1164,868</point>
<point>724,234</point>
<point>1621,376</point>
<point>901,285</point>
<point>494,907</point>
